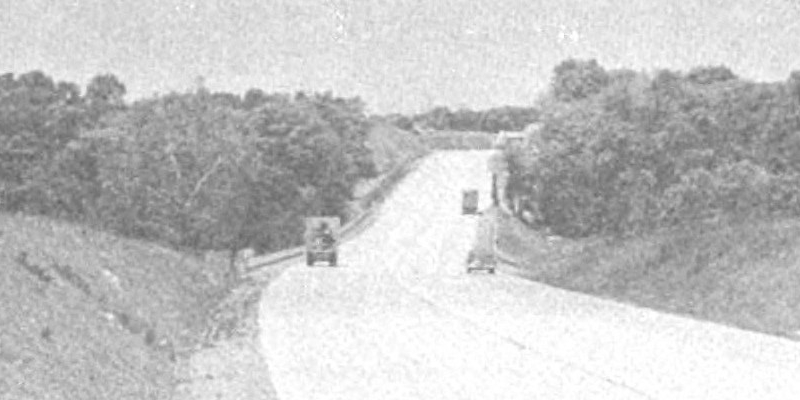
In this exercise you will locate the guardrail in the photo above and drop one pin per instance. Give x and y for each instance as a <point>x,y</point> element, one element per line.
<point>353,227</point>
<point>237,312</point>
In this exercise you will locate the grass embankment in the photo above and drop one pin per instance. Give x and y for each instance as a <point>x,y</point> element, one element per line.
<point>743,274</point>
<point>87,315</point>
<point>391,147</point>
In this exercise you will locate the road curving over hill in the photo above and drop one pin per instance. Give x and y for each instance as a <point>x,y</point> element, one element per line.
<point>400,319</point>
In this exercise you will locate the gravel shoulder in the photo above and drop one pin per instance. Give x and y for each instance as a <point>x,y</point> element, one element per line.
<point>233,367</point>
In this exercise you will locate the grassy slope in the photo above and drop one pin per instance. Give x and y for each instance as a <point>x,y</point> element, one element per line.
<point>742,274</point>
<point>108,326</point>
<point>390,147</point>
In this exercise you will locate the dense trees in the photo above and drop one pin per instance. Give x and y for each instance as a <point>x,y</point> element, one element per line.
<point>622,151</point>
<point>38,117</point>
<point>492,120</point>
<point>577,79</point>
<point>200,170</point>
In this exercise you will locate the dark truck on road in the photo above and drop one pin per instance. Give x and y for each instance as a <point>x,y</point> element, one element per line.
<point>322,240</point>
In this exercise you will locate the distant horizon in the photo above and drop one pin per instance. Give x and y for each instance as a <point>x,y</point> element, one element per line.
<point>406,57</point>
<point>189,88</point>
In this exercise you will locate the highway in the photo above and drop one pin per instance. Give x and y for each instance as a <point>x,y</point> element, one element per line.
<point>400,319</point>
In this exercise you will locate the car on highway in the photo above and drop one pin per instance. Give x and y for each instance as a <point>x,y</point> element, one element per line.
<point>469,202</point>
<point>477,261</point>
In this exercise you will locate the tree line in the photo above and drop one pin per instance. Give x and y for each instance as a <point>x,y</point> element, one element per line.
<point>195,170</point>
<point>507,118</point>
<point>622,151</point>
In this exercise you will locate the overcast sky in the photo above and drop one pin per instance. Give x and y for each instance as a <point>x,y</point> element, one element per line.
<point>398,55</point>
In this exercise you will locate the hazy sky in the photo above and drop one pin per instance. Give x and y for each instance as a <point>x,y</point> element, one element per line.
<point>398,55</point>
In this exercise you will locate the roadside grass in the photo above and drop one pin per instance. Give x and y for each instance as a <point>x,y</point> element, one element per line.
<point>87,315</point>
<point>742,274</point>
<point>391,147</point>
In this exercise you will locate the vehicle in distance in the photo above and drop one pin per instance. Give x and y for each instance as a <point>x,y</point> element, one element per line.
<point>479,261</point>
<point>469,202</point>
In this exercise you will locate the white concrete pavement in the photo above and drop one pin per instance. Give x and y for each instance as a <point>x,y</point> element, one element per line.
<point>400,319</point>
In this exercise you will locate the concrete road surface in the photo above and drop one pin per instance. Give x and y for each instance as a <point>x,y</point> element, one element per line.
<point>400,319</point>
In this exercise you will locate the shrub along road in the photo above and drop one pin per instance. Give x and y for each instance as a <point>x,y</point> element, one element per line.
<point>401,319</point>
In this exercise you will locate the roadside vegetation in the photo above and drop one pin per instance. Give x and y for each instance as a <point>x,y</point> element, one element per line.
<point>508,118</point>
<point>198,171</point>
<point>391,148</point>
<point>113,217</point>
<point>676,190</point>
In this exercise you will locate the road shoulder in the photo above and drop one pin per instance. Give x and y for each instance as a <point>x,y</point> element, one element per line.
<point>232,367</point>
